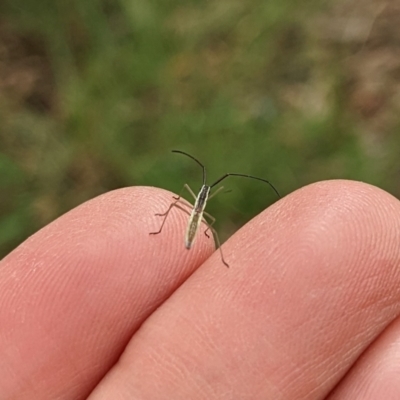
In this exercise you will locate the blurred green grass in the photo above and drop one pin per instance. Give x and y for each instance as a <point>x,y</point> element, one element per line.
<point>95,94</point>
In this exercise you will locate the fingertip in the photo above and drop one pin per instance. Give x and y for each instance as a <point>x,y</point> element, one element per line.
<point>309,286</point>
<point>80,288</point>
<point>316,213</point>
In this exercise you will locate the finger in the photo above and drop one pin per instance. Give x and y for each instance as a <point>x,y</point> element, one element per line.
<point>74,293</point>
<point>313,281</point>
<point>376,374</point>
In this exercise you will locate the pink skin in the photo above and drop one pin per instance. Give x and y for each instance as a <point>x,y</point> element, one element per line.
<point>94,307</point>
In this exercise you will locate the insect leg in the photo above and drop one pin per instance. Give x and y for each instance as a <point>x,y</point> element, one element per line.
<point>187,187</point>
<point>209,225</point>
<point>215,233</point>
<point>174,204</point>
<point>217,191</point>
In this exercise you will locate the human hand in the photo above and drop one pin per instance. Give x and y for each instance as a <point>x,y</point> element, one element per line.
<point>94,307</point>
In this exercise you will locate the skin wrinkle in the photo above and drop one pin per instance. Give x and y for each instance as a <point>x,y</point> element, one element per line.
<point>169,365</point>
<point>246,316</point>
<point>370,372</point>
<point>93,250</point>
<point>173,366</point>
<point>322,334</point>
<point>172,358</point>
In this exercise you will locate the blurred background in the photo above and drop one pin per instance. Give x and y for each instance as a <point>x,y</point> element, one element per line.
<point>95,94</point>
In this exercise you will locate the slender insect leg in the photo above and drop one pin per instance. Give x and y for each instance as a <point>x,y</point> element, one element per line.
<point>217,191</point>
<point>209,226</point>
<point>187,187</point>
<point>174,204</point>
<point>190,191</point>
<point>215,233</point>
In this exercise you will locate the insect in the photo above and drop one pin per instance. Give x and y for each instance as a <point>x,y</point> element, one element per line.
<point>197,214</point>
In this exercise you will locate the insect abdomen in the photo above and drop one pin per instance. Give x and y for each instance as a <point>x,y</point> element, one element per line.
<point>193,226</point>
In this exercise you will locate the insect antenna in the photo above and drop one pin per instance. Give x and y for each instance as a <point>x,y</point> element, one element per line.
<point>245,176</point>
<point>195,159</point>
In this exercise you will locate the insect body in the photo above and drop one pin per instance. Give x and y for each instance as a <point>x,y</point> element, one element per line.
<point>197,214</point>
